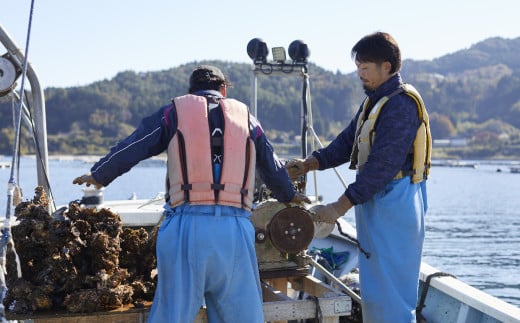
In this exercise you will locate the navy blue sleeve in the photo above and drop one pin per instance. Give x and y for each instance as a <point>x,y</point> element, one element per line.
<point>269,167</point>
<point>338,151</point>
<point>150,138</point>
<point>395,129</point>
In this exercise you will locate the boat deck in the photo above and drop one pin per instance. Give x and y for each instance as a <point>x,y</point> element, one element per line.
<point>278,305</point>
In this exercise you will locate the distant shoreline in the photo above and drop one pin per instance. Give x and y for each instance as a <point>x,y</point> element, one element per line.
<point>5,160</point>
<point>65,157</point>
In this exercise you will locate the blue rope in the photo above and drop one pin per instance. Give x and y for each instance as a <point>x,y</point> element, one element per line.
<point>12,180</point>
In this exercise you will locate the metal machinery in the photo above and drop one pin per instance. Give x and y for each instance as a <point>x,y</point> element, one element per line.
<point>11,68</point>
<point>283,231</point>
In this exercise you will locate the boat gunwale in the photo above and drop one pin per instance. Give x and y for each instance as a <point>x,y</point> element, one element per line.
<point>471,296</point>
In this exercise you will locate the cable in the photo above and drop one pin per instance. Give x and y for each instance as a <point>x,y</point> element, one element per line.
<point>354,240</point>
<point>6,237</point>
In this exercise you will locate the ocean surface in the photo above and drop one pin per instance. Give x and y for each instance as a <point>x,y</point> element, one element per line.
<point>472,225</point>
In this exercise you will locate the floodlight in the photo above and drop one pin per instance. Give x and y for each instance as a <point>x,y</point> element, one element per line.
<point>298,51</point>
<point>278,54</point>
<point>257,50</point>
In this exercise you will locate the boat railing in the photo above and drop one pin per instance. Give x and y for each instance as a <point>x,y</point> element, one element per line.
<point>35,97</point>
<point>473,305</point>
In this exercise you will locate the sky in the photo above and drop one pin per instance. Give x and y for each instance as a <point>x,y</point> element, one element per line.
<point>74,43</point>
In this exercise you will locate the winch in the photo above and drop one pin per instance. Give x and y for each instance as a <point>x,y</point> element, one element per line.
<point>283,232</point>
<point>8,74</point>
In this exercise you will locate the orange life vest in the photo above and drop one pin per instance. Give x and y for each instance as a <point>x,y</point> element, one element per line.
<point>190,167</point>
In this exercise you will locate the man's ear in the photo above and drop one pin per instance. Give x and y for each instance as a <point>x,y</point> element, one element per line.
<point>387,66</point>
<point>223,89</point>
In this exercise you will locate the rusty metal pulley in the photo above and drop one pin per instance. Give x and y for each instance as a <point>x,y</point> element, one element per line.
<point>291,230</point>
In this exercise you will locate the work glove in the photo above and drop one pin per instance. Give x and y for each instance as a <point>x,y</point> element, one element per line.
<point>298,167</point>
<point>322,229</point>
<point>88,180</point>
<point>295,168</point>
<point>325,213</point>
<point>300,198</point>
<point>329,213</point>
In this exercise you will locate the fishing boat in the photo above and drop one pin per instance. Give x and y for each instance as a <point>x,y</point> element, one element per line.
<point>308,269</point>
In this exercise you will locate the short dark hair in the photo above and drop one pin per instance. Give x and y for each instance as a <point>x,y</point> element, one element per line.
<point>377,48</point>
<point>206,77</point>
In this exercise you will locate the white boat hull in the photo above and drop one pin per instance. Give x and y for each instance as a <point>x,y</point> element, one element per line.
<point>447,299</point>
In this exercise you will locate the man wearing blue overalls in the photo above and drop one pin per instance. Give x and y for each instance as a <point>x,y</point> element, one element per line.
<point>388,142</point>
<point>206,244</point>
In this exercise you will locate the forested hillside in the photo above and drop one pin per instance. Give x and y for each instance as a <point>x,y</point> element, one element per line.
<point>472,94</point>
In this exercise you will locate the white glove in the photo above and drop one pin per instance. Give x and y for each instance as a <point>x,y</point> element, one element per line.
<point>325,213</point>
<point>329,213</point>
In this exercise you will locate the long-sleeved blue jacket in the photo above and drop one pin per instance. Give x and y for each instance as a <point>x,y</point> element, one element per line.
<point>154,133</point>
<point>391,152</point>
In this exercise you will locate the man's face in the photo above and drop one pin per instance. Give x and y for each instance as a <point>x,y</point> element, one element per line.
<point>372,75</point>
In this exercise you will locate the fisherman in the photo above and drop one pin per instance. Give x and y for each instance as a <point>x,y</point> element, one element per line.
<point>206,244</point>
<point>389,143</point>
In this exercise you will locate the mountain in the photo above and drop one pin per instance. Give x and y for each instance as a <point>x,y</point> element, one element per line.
<point>490,52</point>
<point>473,93</point>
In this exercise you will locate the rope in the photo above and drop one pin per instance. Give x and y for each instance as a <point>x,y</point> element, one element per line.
<point>426,287</point>
<point>354,240</point>
<point>318,315</point>
<point>39,159</point>
<point>17,193</point>
<point>15,160</point>
<point>6,237</point>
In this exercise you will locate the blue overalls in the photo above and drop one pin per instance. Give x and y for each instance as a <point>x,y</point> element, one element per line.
<point>390,226</point>
<point>200,247</point>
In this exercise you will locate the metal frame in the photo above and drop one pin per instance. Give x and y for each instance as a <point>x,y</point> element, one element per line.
<point>36,96</point>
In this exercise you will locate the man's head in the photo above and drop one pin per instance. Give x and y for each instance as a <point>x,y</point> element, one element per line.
<point>207,77</point>
<point>377,57</point>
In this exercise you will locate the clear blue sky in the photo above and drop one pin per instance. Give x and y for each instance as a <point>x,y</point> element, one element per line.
<point>79,42</point>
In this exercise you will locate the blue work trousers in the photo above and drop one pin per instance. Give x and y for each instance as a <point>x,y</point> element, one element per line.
<point>206,255</point>
<point>390,226</point>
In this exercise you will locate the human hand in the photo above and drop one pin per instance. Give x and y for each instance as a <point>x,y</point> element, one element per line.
<point>296,168</point>
<point>329,213</point>
<point>300,198</point>
<point>88,180</point>
<point>299,167</point>
<point>324,213</point>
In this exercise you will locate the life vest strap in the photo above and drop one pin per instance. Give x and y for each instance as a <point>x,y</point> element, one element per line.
<point>217,142</point>
<point>243,189</point>
<point>405,173</point>
<point>217,187</point>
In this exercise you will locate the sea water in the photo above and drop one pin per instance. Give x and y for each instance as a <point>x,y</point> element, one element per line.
<point>472,224</point>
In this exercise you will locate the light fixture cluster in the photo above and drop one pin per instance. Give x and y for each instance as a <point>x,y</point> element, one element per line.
<point>257,50</point>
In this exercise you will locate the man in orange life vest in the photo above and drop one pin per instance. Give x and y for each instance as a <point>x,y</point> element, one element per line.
<point>205,245</point>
